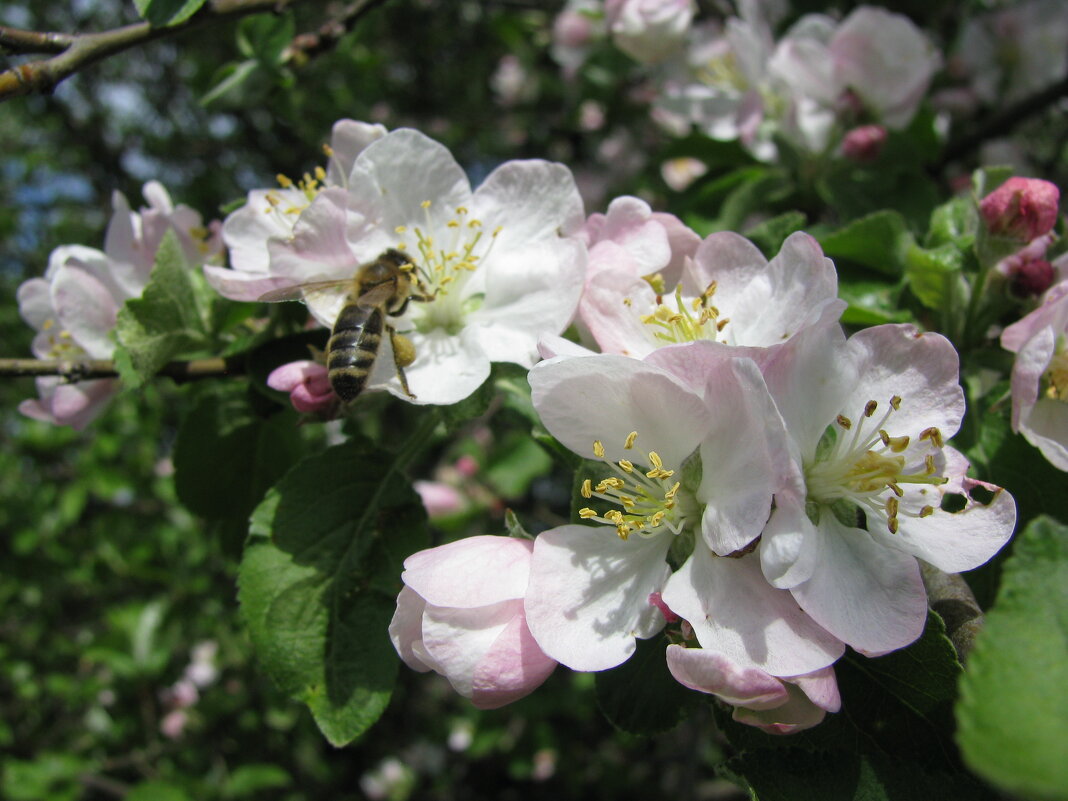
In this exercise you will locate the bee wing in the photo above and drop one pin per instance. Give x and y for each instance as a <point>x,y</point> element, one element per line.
<point>305,291</point>
<point>376,295</point>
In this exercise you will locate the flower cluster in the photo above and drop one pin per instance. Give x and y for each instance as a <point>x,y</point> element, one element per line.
<point>757,485</point>
<point>73,307</point>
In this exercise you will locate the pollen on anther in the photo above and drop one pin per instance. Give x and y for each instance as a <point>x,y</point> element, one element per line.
<point>587,513</point>
<point>844,422</point>
<point>401,229</point>
<point>870,407</point>
<point>425,204</point>
<point>626,465</point>
<point>926,511</point>
<point>629,442</point>
<point>587,489</point>
<point>598,449</point>
<point>895,402</point>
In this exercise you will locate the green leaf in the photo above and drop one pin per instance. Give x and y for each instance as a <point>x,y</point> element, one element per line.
<point>265,37</point>
<point>954,222</point>
<point>879,242</point>
<point>1013,709</point>
<point>231,79</point>
<point>641,696</point>
<point>892,739</point>
<point>167,320</point>
<point>226,456</point>
<point>161,13</point>
<point>770,234</point>
<point>934,275</point>
<point>48,777</point>
<point>319,579</point>
<point>156,791</point>
<point>517,461</point>
<point>248,780</point>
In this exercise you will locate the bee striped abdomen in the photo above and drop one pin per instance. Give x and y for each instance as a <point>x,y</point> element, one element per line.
<point>352,349</point>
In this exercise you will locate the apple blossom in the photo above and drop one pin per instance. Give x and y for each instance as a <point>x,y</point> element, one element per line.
<point>308,386</point>
<point>649,30</point>
<point>867,420</point>
<point>727,292</point>
<point>692,475</point>
<point>575,28</point>
<point>74,306</point>
<point>461,615</point>
<point>864,144</point>
<point>272,213</point>
<point>1039,384</point>
<point>494,269</point>
<point>776,705</point>
<point>1021,208</point>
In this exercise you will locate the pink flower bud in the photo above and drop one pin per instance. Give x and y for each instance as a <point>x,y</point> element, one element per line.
<point>864,144</point>
<point>1021,208</point>
<point>461,615</point>
<point>438,498</point>
<point>307,384</point>
<point>173,724</point>
<point>1031,278</point>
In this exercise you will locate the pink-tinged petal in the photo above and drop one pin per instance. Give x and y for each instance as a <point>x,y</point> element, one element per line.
<point>86,309</point>
<point>267,214</point>
<point>289,376</point>
<point>921,368</point>
<point>589,591</point>
<point>606,397</point>
<point>869,596</point>
<point>1021,208</point>
<point>683,242</point>
<point>1032,360</point>
<point>1046,427</point>
<point>709,672</point>
<point>789,544</point>
<point>797,714</point>
<point>613,321</point>
<point>821,687</point>
<point>458,639</point>
<point>245,286</point>
<point>955,541</point>
<point>439,499</point>
<point>35,302</point>
<point>735,612</point>
<point>317,250</point>
<point>406,628</point>
<point>73,405</point>
<point>530,201</point>
<point>740,456</point>
<point>629,224</point>
<point>513,667</point>
<point>349,138</point>
<point>471,572</point>
<point>552,347</point>
<point>1053,313</point>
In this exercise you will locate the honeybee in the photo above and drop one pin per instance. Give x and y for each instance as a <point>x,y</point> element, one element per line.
<point>381,287</point>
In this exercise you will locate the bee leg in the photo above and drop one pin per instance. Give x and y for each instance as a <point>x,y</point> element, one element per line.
<point>403,355</point>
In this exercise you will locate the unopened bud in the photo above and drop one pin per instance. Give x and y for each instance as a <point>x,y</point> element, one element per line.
<point>1021,208</point>
<point>864,144</point>
<point>1031,278</point>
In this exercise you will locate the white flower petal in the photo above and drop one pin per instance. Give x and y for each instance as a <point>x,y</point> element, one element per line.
<point>440,575</point>
<point>735,612</point>
<point>588,597</point>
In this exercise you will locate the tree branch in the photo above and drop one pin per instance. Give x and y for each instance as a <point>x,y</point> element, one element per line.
<point>1002,122</point>
<point>72,371</point>
<point>308,45</point>
<point>77,51</point>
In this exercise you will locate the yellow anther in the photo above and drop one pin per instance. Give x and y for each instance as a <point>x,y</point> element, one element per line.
<point>496,230</point>
<point>929,464</point>
<point>598,449</point>
<point>722,323</point>
<point>615,516</point>
<point>932,434</point>
<point>320,174</point>
<point>844,422</point>
<point>425,204</point>
<point>891,524</point>
<point>452,224</point>
<point>284,181</point>
<point>894,488</point>
<point>623,532</point>
<point>327,150</point>
<point>927,511</point>
<point>655,461</point>
<point>461,210</point>
<point>587,489</point>
<point>895,402</point>
<point>629,442</point>
<point>671,493</point>
<point>48,324</point>
<point>628,302</point>
<point>656,281</point>
<point>870,407</point>
<point>587,513</point>
<point>627,501</point>
<point>654,519</point>
<point>626,465</point>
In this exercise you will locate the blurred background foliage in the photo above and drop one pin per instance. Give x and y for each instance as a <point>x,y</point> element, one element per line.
<point>109,582</point>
